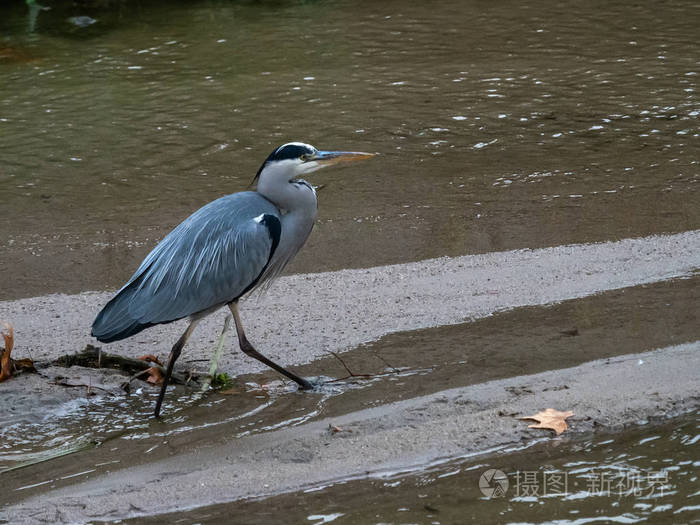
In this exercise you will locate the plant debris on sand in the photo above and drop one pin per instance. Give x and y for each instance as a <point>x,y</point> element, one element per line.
<point>9,366</point>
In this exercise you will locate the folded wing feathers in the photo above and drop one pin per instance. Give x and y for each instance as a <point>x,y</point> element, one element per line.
<point>208,260</point>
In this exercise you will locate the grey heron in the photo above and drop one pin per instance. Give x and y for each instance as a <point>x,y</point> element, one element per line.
<point>221,252</point>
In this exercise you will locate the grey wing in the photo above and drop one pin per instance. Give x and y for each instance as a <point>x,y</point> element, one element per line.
<point>212,258</point>
<point>210,267</point>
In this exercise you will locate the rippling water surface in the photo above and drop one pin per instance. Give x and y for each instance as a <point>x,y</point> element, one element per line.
<point>500,126</point>
<point>640,476</point>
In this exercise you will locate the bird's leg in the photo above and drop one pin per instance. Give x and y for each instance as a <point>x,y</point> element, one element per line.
<point>174,354</point>
<point>248,349</point>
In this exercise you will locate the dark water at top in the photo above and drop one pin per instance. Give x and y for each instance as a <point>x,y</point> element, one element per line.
<point>500,125</point>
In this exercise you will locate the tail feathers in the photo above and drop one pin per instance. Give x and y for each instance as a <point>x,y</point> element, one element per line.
<point>114,322</point>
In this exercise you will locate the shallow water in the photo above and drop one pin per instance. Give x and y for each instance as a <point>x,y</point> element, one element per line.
<point>93,431</point>
<point>644,475</point>
<point>500,126</point>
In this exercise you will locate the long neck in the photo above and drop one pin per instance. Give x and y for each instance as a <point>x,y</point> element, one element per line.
<point>298,209</point>
<point>287,195</point>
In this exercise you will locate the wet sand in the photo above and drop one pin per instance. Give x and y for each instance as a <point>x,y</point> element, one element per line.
<point>304,316</point>
<point>608,394</point>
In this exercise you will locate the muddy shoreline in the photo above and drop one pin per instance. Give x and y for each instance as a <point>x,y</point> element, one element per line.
<point>609,394</point>
<point>338,311</point>
<point>302,317</point>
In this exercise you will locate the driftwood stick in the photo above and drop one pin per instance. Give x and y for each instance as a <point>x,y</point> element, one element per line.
<point>92,357</point>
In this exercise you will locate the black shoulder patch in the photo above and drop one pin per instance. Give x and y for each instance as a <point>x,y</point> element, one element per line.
<point>274,228</point>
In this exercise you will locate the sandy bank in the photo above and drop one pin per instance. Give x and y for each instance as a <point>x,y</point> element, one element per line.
<point>406,435</point>
<point>304,316</point>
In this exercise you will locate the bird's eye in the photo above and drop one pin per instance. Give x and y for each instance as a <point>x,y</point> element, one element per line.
<point>305,157</point>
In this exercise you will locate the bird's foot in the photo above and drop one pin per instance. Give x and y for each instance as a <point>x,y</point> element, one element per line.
<point>305,385</point>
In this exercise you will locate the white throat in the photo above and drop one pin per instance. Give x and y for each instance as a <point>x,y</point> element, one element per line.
<point>298,207</point>
<point>277,185</point>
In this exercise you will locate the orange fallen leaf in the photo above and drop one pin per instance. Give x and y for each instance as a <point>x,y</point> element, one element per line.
<point>550,419</point>
<point>5,361</point>
<point>151,358</point>
<point>155,376</point>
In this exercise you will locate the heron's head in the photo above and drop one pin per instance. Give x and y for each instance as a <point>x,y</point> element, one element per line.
<point>294,159</point>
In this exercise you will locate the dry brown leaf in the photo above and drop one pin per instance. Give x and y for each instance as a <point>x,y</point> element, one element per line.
<point>155,376</point>
<point>151,358</point>
<point>551,419</point>
<point>5,361</point>
<point>335,429</point>
<point>24,365</point>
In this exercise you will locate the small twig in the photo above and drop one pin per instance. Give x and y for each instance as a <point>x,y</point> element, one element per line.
<point>126,385</point>
<point>353,374</point>
<point>174,378</point>
<point>58,383</point>
<point>347,368</point>
<point>366,376</point>
<point>393,368</point>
